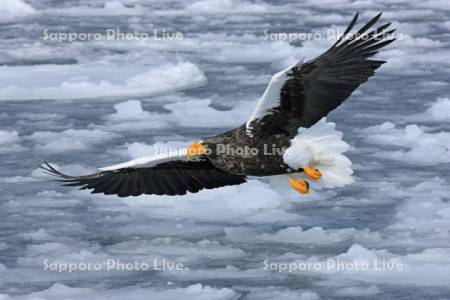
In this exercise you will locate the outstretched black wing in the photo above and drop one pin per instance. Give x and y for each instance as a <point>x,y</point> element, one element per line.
<point>168,178</point>
<point>305,93</point>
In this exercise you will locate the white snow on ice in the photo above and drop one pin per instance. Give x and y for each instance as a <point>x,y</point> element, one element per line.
<point>14,10</point>
<point>194,292</point>
<point>417,145</point>
<point>109,8</point>
<point>88,81</point>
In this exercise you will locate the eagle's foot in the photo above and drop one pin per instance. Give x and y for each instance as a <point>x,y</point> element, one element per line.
<point>301,186</point>
<point>312,173</point>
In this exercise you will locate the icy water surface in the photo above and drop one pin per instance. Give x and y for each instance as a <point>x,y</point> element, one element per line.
<point>93,103</point>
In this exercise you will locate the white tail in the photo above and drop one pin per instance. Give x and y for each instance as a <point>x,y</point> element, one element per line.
<point>321,147</point>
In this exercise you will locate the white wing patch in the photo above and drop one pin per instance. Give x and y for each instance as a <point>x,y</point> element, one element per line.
<point>149,161</point>
<point>270,98</point>
<point>321,147</point>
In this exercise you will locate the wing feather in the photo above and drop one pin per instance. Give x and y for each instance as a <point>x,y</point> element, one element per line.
<point>168,178</point>
<point>305,93</point>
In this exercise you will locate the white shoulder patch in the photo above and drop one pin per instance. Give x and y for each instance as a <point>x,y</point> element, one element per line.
<point>270,98</point>
<point>149,161</point>
<point>321,147</point>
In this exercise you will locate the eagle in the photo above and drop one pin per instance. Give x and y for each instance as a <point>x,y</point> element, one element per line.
<point>287,134</point>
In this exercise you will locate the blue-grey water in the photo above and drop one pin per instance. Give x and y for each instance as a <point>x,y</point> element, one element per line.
<point>91,103</point>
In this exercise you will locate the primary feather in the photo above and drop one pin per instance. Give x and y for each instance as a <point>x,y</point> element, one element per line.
<point>301,95</point>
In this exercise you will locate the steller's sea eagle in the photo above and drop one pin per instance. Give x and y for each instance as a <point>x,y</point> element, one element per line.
<point>289,116</point>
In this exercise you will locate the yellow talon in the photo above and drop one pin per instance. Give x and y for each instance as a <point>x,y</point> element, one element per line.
<point>301,186</point>
<point>314,174</point>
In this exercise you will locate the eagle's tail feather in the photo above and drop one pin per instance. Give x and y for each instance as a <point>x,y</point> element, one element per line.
<point>322,147</point>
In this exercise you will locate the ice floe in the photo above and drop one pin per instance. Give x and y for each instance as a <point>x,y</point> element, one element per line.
<point>192,292</point>
<point>414,144</point>
<point>234,204</point>
<point>10,141</point>
<point>109,8</point>
<point>89,81</point>
<point>439,111</point>
<point>68,140</point>
<point>188,113</point>
<point>14,10</point>
<point>227,6</point>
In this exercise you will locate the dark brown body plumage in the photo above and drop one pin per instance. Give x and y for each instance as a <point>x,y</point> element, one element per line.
<point>237,153</point>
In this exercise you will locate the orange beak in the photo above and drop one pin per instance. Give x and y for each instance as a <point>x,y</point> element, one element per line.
<point>196,149</point>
